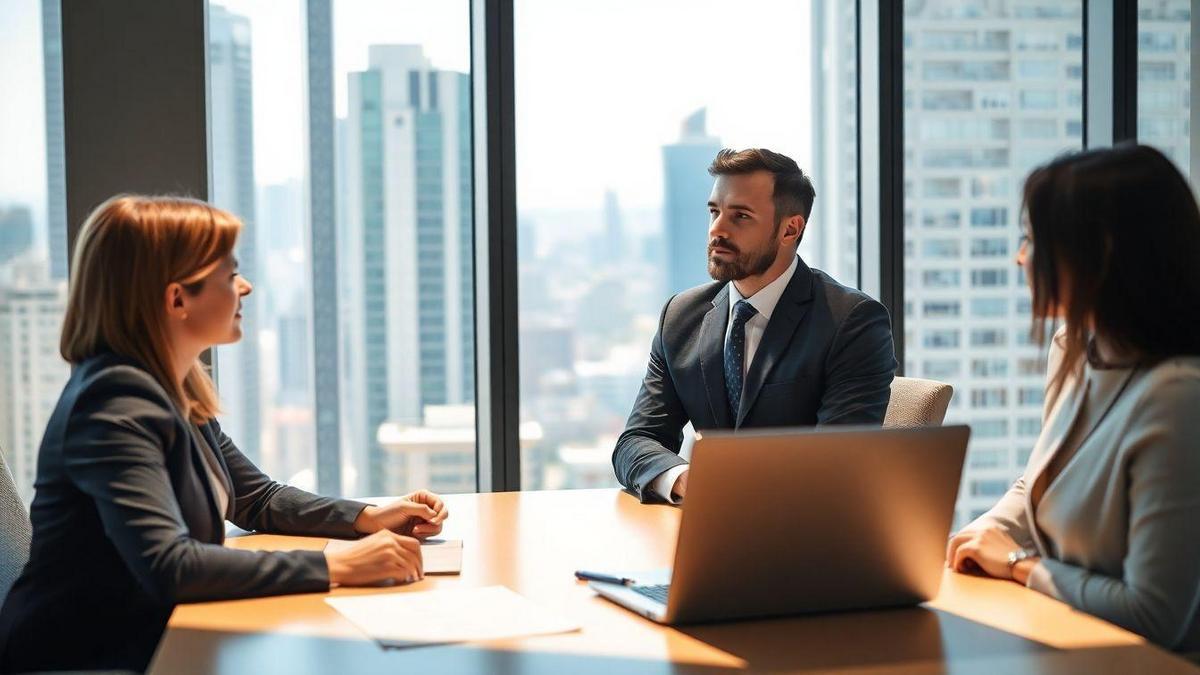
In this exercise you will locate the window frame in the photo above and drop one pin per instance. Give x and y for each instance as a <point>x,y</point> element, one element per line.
<point>167,45</point>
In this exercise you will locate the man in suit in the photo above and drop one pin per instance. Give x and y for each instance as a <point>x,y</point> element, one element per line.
<point>770,343</point>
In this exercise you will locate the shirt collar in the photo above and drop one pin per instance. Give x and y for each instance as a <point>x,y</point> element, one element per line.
<point>768,296</point>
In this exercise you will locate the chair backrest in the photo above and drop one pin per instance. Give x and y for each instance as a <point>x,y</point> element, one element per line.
<point>15,531</point>
<point>916,402</point>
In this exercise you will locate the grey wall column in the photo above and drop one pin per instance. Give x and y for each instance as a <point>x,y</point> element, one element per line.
<point>881,157</point>
<point>494,160</point>
<point>1110,72</point>
<point>322,241</point>
<point>135,118</point>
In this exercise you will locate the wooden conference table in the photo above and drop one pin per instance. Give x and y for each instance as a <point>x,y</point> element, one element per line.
<point>531,542</point>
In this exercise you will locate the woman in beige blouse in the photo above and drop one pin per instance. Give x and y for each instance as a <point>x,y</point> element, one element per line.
<point>1107,514</point>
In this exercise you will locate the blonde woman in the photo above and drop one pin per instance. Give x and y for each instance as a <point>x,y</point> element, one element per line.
<point>1107,515</point>
<point>135,477</point>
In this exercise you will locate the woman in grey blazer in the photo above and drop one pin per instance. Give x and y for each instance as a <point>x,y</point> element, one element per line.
<point>135,477</point>
<point>1107,514</point>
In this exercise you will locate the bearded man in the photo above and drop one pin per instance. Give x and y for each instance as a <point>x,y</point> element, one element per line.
<point>771,343</point>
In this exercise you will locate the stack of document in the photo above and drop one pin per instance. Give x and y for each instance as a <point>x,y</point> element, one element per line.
<point>417,619</point>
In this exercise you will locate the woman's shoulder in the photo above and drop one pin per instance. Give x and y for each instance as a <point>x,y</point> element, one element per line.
<point>1165,395</point>
<point>107,381</point>
<point>108,393</point>
<point>1177,375</point>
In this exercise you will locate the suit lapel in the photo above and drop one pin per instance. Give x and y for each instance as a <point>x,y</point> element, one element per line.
<point>1097,411</point>
<point>712,359</point>
<point>792,308</point>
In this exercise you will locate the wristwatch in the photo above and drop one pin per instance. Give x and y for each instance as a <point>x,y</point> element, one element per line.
<point>1017,555</point>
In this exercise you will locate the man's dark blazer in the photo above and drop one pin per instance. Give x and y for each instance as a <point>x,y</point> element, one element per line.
<point>826,357</point>
<point>126,525</point>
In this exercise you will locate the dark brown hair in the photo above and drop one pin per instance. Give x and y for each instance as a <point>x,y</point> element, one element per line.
<point>1116,250</point>
<point>793,193</point>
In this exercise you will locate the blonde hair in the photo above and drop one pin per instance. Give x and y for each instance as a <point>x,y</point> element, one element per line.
<point>129,250</point>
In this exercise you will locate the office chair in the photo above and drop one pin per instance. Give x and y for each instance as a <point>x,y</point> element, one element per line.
<point>916,402</point>
<point>15,530</point>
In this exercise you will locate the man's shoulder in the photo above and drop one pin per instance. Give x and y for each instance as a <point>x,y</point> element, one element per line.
<point>840,298</point>
<point>696,299</point>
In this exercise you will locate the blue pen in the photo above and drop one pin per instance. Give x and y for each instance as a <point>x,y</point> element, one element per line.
<point>584,575</point>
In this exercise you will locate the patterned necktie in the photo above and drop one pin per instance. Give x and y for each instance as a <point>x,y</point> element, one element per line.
<point>735,355</point>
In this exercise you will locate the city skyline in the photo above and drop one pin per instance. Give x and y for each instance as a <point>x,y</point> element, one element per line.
<point>988,96</point>
<point>231,124</point>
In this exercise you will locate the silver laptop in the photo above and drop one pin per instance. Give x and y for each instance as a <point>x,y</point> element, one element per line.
<point>780,522</point>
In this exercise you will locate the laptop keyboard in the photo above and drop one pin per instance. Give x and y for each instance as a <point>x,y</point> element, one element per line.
<point>655,592</point>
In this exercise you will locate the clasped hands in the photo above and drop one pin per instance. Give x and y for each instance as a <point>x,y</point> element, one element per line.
<point>985,551</point>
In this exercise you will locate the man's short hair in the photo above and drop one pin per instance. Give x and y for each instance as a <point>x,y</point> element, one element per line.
<point>793,193</point>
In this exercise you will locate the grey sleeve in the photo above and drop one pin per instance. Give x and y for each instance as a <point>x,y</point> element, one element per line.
<point>1009,515</point>
<point>1159,593</point>
<point>263,505</point>
<point>654,432</point>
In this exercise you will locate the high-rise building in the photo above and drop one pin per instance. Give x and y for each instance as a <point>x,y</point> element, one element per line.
<point>232,143</point>
<point>1164,84</point>
<point>831,235</point>
<point>325,211</point>
<point>294,375</point>
<point>32,372</point>
<point>281,217</point>
<point>611,248</point>
<point>16,232</point>
<point>687,186</point>
<point>408,273</point>
<point>990,91</point>
<point>56,167</point>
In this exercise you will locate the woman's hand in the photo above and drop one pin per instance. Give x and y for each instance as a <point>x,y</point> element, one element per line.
<point>378,557</point>
<point>985,551</point>
<point>418,514</point>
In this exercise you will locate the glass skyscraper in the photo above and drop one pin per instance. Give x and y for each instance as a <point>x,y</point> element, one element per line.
<point>233,188</point>
<point>685,191</point>
<point>406,272</point>
<point>990,91</point>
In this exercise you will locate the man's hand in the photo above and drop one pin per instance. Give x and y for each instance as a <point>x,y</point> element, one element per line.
<point>419,514</point>
<point>679,489</point>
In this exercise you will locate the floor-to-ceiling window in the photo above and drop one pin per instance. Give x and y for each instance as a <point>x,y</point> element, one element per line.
<point>33,230</point>
<point>341,135</point>
<point>990,91</point>
<point>620,108</point>
<point>1164,78</point>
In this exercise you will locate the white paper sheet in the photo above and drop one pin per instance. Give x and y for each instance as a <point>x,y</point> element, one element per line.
<point>444,616</point>
<point>438,556</point>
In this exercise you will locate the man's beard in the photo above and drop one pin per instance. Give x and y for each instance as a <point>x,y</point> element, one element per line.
<point>744,264</point>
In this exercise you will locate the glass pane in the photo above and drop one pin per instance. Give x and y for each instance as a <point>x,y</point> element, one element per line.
<point>990,91</point>
<point>405,231</point>
<point>401,209</point>
<point>1165,78</point>
<point>258,171</point>
<point>612,151</point>
<point>33,231</point>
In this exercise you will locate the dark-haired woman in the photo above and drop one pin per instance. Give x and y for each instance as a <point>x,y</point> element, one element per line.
<point>1107,514</point>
